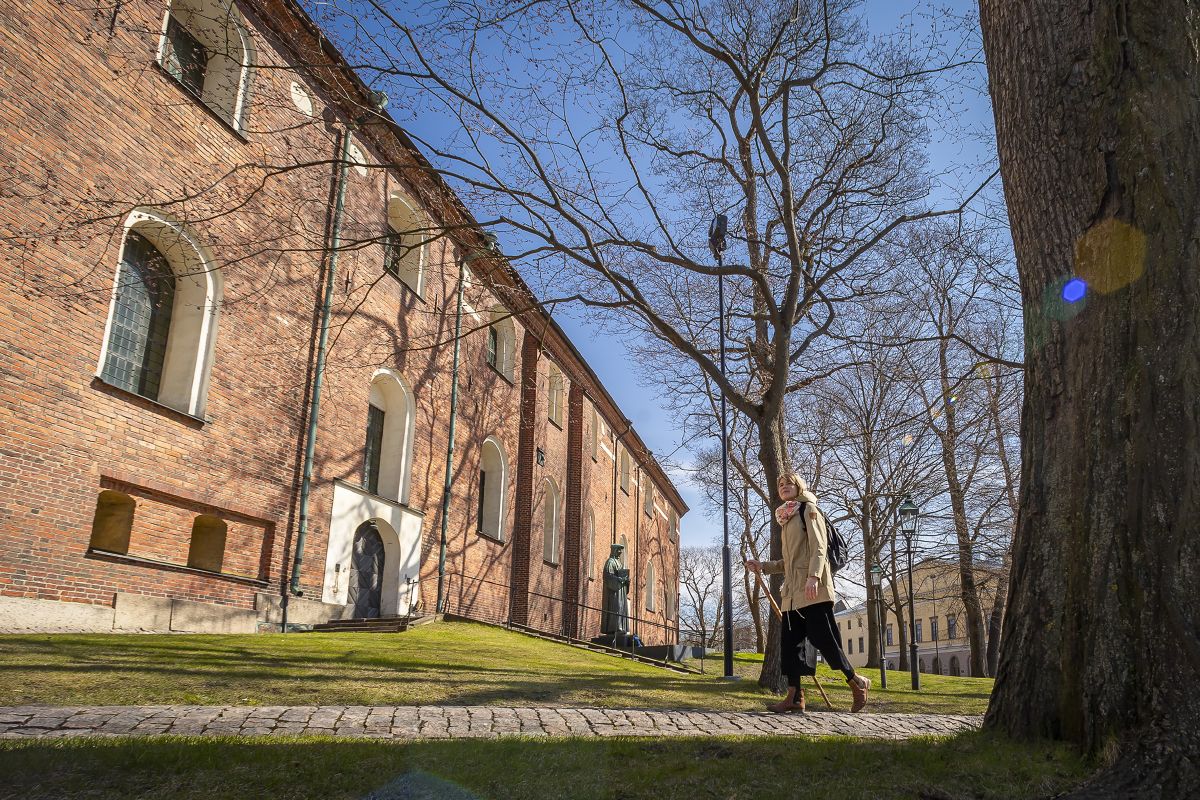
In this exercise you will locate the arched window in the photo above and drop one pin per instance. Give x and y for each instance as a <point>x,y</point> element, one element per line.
<point>650,603</point>
<point>207,548</point>
<point>954,667</point>
<point>405,247</point>
<point>626,470</point>
<point>502,341</point>
<point>113,522</point>
<point>550,522</point>
<point>141,318</point>
<point>388,451</point>
<point>207,48</point>
<point>555,395</point>
<point>594,433</point>
<point>492,480</point>
<point>162,322</point>
<point>589,533</point>
<point>647,495</point>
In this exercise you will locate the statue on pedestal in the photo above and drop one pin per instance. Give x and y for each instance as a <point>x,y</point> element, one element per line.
<point>614,617</point>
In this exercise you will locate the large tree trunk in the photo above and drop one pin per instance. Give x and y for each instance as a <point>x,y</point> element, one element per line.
<point>772,454</point>
<point>996,620</point>
<point>1098,125</point>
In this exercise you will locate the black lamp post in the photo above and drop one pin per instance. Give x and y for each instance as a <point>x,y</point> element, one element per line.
<point>877,585</point>
<point>909,513</point>
<point>716,242</point>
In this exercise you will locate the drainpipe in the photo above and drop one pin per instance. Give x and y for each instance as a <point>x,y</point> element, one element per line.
<point>490,248</point>
<point>378,102</point>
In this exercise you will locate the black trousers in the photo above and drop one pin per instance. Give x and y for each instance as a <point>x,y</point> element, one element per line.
<point>812,625</point>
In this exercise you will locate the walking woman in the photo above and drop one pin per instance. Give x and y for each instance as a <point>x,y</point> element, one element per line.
<point>806,597</point>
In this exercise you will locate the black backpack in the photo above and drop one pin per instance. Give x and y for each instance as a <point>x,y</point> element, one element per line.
<point>835,548</point>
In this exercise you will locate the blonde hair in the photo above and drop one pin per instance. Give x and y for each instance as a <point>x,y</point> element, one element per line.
<point>794,480</point>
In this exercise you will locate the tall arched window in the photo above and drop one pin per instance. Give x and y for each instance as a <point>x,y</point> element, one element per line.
<point>113,522</point>
<point>589,533</point>
<point>554,395</point>
<point>650,603</point>
<point>492,481</point>
<point>550,521</point>
<point>207,48</point>
<point>502,341</point>
<point>405,247</point>
<point>388,451</point>
<point>141,318</point>
<point>162,322</point>
<point>594,433</point>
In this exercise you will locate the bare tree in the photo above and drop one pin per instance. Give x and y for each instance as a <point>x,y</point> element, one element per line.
<point>700,596</point>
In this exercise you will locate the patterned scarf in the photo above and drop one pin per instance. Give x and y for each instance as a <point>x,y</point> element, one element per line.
<point>786,511</point>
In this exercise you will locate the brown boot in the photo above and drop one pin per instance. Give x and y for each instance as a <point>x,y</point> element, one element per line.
<point>859,686</point>
<point>788,705</point>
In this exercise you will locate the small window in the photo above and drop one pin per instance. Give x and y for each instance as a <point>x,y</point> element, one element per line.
<point>849,647</point>
<point>207,548</point>
<point>492,345</point>
<point>648,497</point>
<point>861,649</point>
<point>207,49</point>
<point>555,395</point>
<point>889,634</point>
<point>590,532</point>
<point>594,434</point>
<point>625,471</point>
<point>674,526</point>
<point>185,58</point>
<point>860,622</point>
<point>951,626</point>
<point>650,603</point>
<point>918,631</point>
<point>112,523</point>
<point>933,629</point>
<point>374,449</point>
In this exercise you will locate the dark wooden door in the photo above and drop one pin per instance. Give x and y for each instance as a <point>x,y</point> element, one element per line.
<point>366,572</point>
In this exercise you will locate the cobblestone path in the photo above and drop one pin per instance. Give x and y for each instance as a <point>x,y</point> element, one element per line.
<point>455,722</point>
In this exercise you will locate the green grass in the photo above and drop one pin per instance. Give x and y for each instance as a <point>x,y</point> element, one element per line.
<point>968,766</point>
<point>450,663</point>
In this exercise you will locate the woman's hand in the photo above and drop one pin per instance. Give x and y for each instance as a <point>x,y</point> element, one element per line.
<point>810,588</point>
<point>753,566</point>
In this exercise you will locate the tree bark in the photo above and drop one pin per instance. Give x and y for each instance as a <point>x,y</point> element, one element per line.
<point>1097,119</point>
<point>773,457</point>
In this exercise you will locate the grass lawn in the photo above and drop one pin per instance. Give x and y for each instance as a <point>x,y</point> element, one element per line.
<point>449,663</point>
<point>969,766</point>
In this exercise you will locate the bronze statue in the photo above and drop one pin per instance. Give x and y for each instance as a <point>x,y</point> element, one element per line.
<point>614,618</point>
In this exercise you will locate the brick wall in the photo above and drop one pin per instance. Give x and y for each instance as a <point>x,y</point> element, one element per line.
<point>103,130</point>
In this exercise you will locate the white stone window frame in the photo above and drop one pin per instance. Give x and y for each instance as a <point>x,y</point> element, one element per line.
<point>390,392</point>
<point>651,603</point>
<point>552,513</point>
<point>238,113</point>
<point>406,217</point>
<point>500,486</point>
<point>199,289</point>
<point>500,320</point>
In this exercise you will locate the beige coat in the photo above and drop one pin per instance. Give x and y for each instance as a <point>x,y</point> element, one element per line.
<point>804,555</point>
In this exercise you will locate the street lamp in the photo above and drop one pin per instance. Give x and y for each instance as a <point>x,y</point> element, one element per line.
<point>877,584</point>
<point>716,243</point>
<point>909,513</point>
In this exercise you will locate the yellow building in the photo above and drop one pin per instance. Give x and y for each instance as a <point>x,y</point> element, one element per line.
<point>941,627</point>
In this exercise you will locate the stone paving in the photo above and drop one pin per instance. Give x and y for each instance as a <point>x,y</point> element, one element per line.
<point>456,722</point>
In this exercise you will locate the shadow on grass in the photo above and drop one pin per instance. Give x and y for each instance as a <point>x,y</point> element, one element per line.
<point>971,765</point>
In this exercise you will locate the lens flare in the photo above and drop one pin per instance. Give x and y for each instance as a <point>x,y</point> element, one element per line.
<point>1074,290</point>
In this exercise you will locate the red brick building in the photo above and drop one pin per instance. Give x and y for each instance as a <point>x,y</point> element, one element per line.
<point>177,213</point>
